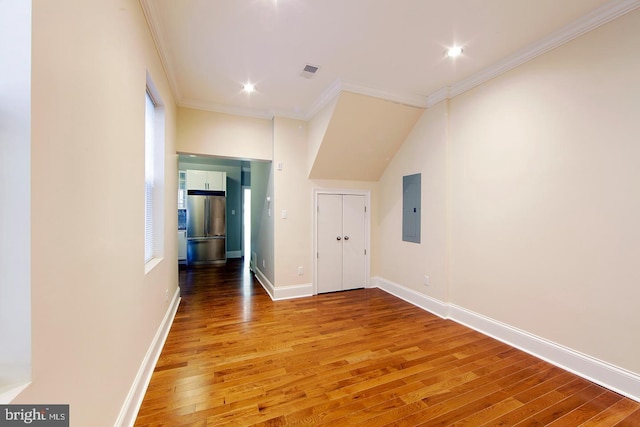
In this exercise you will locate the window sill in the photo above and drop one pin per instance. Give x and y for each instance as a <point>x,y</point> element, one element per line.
<point>151,264</point>
<point>11,392</point>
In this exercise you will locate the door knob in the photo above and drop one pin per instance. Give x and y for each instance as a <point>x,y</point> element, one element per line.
<point>338,238</point>
<point>346,237</point>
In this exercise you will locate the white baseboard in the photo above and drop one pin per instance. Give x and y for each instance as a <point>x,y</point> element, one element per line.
<point>278,293</point>
<point>293,291</point>
<point>129,411</point>
<point>612,377</point>
<point>266,284</point>
<point>425,302</point>
<point>234,254</point>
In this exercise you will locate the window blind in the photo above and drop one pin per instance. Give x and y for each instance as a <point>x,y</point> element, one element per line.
<point>148,178</point>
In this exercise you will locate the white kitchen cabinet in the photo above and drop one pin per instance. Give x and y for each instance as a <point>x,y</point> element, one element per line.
<point>182,245</point>
<point>206,180</point>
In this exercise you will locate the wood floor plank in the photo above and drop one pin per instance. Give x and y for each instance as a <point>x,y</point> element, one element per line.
<point>234,357</point>
<point>631,420</point>
<point>567,405</point>
<point>587,410</point>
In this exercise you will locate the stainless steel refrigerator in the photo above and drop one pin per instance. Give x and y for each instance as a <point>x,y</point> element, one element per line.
<point>206,227</point>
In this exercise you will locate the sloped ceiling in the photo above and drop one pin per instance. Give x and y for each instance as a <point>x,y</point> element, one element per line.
<point>361,137</point>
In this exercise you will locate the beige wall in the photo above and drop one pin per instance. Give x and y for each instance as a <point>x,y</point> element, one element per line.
<point>223,135</point>
<point>294,193</point>
<point>317,128</point>
<point>94,311</point>
<point>407,263</point>
<point>530,209</point>
<point>362,136</point>
<point>544,195</point>
<point>535,190</point>
<point>293,235</point>
<point>282,245</point>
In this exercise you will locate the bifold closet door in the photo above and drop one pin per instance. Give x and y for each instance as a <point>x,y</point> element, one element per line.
<point>341,242</point>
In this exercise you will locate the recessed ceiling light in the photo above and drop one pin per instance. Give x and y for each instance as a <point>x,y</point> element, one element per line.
<point>454,51</point>
<point>248,87</point>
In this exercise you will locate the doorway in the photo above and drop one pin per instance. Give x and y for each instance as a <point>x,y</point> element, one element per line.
<point>246,226</point>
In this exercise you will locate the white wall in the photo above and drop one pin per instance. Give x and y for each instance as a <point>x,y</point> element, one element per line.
<point>15,208</point>
<point>94,311</point>
<point>530,201</point>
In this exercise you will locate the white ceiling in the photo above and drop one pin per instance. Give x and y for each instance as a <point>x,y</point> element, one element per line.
<point>389,48</point>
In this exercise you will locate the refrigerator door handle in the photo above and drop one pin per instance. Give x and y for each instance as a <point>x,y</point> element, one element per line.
<point>207,210</point>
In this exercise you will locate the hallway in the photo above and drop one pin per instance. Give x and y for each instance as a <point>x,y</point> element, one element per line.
<point>362,357</point>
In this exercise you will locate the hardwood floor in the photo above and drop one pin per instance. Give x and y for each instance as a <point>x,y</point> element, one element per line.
<point>234,357</point>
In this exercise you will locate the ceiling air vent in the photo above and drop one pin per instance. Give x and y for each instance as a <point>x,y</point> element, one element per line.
<point>309,70</point>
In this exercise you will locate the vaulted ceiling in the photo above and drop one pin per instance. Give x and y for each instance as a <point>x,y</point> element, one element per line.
<point>383,49</point>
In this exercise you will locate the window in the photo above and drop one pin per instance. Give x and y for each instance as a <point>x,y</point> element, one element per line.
<point>153,175</point>
<point>15,198</point>
<point>150,107</point>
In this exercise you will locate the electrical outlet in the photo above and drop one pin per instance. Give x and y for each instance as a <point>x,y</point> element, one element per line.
<point>166,294</point>
<point>300,271</point>
<point>426,280</point>
<point>264,264</point>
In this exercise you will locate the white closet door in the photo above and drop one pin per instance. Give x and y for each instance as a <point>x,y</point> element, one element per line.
<point>329,242</point>
<point>341,242</point>
<point>353,236</point>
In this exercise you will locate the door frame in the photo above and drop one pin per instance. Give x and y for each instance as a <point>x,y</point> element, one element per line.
<point>243,248</point>
<point>367,229</point>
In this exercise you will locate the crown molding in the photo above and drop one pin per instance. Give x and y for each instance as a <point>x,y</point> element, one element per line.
<point>325,97</point>
<point>583,25</point>
<point>228,109</point>
<point>600,16</point>
<point>151,15</point>
<point>287,114</point>
<point>439,95</point>
<point>410,100</point>
<point>242,111</point>
<point>340,85</point>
